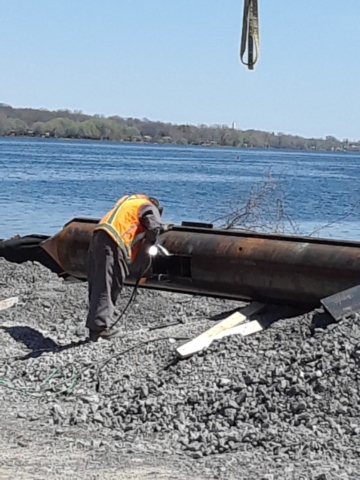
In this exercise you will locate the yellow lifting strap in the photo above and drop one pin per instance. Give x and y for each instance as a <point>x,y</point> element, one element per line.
<point>250,33</point>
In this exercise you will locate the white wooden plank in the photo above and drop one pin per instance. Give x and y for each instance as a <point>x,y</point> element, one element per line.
<point>205,339</point>
<point>245,329</point>
<point>9,302</point>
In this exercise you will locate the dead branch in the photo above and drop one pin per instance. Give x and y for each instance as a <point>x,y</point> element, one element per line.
<point>264,211</point>
<point>338,220</point>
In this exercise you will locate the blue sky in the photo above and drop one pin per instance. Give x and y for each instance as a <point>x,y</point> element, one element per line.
<point>178,61</point>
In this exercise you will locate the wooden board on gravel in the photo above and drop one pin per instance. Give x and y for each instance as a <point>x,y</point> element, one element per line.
<point>205,339</point>
<point>9,302</point>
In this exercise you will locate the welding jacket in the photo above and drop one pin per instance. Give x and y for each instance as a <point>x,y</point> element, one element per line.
<point>132,219</point>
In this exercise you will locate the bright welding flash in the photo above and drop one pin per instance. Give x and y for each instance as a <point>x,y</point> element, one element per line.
<point>153,250</point>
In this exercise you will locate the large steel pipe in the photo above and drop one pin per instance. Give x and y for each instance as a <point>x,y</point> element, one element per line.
<point>230,264</point>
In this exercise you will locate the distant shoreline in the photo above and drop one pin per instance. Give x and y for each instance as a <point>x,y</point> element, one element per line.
<point>168,144</point>
<point>68,125</point>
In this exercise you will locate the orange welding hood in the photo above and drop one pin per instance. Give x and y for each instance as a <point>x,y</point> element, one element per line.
<point>123,226</point>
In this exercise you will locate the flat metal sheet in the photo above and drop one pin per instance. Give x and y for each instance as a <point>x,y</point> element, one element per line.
<point>343,303</point>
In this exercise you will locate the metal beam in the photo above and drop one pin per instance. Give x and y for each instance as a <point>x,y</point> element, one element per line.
<point>230,264</point>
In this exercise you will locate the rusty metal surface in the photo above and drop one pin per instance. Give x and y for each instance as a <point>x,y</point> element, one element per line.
<point>230,264</point>
<point>69,246</point>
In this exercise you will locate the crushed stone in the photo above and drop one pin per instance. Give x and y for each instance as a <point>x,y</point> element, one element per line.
<point>283,403</point>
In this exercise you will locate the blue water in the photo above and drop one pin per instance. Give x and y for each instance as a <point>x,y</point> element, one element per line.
<point>44,183</point>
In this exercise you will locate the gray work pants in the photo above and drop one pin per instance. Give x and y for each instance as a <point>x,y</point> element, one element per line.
<point>106,275</point>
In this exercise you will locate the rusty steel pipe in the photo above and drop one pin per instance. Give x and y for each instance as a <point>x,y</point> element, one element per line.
<point>69,246</point>
<point>230,264</point>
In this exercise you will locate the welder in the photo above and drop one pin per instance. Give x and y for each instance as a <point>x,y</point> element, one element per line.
<point>115,244</point>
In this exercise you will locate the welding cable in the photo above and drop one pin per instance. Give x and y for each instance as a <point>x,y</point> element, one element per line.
<point>86,341</point>
<point>140,276</point>
<point>129,349</point>
<point>164,325</point>
<point>134,292</point>
<point>44,389</point>
<point>32,391</point>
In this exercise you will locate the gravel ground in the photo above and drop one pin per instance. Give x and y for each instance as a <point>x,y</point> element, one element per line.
<point>281,404</point>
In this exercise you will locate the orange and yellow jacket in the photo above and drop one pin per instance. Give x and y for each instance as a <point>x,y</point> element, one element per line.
<point>132,219</point>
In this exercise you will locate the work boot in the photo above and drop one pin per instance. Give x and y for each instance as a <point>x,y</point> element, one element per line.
<point>105,334</point>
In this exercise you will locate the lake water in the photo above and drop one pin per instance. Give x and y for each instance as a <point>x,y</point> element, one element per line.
<point>44,183</point>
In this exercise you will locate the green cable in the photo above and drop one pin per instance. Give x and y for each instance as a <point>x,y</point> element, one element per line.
<point>33,391</point>
<point>38,392</point>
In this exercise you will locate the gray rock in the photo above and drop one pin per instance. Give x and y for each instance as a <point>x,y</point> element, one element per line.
<point>286,396</point>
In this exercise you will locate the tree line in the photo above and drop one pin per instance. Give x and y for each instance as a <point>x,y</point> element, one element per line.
<point>32,122</point>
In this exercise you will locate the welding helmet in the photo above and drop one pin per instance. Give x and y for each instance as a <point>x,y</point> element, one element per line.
<point>156,202</point>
